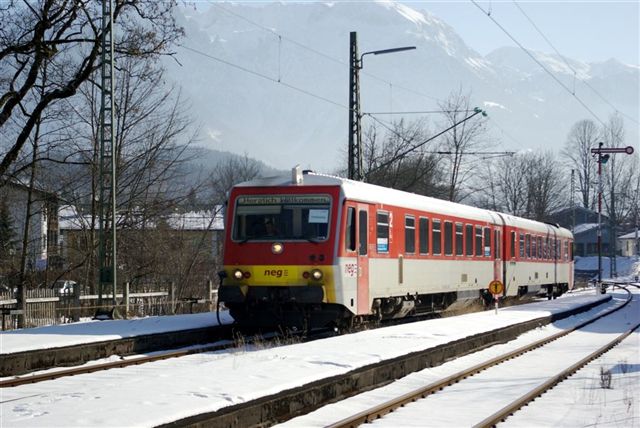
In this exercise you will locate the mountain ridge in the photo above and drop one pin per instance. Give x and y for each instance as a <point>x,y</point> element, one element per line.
<point>246,101</point>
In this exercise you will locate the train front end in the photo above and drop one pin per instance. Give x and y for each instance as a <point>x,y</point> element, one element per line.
<point>279,254</point>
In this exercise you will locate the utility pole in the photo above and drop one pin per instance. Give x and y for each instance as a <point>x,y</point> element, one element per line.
<point>356,167</point>
<point>107,181</point>
<point>356,163</point>
<point>573,204</point>
<point>603,156</point>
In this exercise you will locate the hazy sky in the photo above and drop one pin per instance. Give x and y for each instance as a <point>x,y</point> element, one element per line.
<point>590,31</point>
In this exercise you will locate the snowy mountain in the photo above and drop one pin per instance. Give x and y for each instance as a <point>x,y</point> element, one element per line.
<point>271,80</point>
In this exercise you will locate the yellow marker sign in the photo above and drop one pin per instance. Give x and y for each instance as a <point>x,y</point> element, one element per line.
<point>496,287</point>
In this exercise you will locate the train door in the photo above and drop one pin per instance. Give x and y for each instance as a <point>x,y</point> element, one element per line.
<point>497,252</point>
<point>363,306</point>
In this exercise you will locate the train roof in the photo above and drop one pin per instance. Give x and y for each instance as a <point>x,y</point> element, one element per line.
<point>366,192</point>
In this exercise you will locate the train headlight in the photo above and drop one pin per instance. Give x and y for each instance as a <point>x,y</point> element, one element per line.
<point>316,274</point>
<point>277,248</point>
<point>237,274</point>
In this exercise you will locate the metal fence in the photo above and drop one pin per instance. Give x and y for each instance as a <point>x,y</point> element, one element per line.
<point>48,307</point>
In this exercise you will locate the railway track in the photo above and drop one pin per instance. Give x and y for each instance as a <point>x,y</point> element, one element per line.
<point>415,396</point>
<point>224,335</point>
<point>234,340</point>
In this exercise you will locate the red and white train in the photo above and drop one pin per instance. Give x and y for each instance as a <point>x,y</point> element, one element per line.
<point>312,250</point>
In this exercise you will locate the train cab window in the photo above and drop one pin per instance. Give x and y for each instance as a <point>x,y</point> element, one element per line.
<point>363,229</point>
<point>522,245</point>
<point>513,245</point>
<point>448,238</point>
<point>468,239</point>
<point>303,217</point>
<point>487,242</point>
<point>382,232</point>
<point>423,233</point>
<point>350,230</point>
<point>478,241</point>
<point>459,240</point>
<point>437,237</point>
<point>410,234</point>
<point>497,244</point>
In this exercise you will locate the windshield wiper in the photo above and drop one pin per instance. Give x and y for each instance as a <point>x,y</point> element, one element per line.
<point>310,239</point>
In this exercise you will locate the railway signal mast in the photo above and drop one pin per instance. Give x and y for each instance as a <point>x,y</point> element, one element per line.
<point>603,154</point>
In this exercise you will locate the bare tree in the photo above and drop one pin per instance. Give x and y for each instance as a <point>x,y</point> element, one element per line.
<point>528,185</point>
<point>544,186</point>
<point>467,136</point>
<point>228,173</point>
<point>397,159</point>
<point>584,136</point>
<point>63,40</point>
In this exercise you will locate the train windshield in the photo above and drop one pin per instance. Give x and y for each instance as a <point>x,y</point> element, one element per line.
<point>282,217</point>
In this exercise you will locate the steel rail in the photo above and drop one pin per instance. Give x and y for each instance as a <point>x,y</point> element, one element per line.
<point>380,410</point>
<point>35,378</point>
<point>132,361</point>
<point>502,414</point>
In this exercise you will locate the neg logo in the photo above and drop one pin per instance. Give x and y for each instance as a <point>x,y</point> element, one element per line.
<point>277,273</point>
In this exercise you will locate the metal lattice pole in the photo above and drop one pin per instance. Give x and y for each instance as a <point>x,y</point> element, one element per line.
<point>355,168</point>
<point>107,202</point>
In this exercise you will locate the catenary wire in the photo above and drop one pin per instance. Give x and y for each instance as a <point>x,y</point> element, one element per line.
<point>328,57</point>
<point>575,73</point>
<point>553,76</point>
<point>264,76</point>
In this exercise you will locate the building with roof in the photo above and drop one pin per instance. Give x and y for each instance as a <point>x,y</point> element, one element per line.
<point>161,248</point>
<point>629,244</point>
<point>42,223</point>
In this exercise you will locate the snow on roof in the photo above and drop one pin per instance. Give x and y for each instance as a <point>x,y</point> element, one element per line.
<point>71,219</point>
<point>581,228</point>
<point>632,235</point>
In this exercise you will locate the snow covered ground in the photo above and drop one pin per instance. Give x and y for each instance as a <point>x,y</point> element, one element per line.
<point>160,392</point>
<point>579,403</point>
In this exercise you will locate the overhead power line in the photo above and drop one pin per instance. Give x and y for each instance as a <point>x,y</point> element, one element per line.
<point>553,76</point>
<point>575,73</point>
<point>322,54</point>
<point>264,76</point>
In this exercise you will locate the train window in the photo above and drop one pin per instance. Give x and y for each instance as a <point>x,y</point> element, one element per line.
<point>527,245</point>
<point>459,240</point>
<point>478,240</point>
<point>522,245</point>
<point>382,232</point>
<point>423,232</point>
<point>281,217</point>
<point>547,252</point>
<point>487,242</point>
<point>437,238</point>
<point>468,239</point>
<point>534,248</point>
<point>539,247</point>
<point>350,230</point>
<point>410,234</point>
<point>513,245</point>
<point>497,245</point>
<point>448,238</point>
<point>363,229</point>
<point>571,250</point>
<point>566,250</point>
